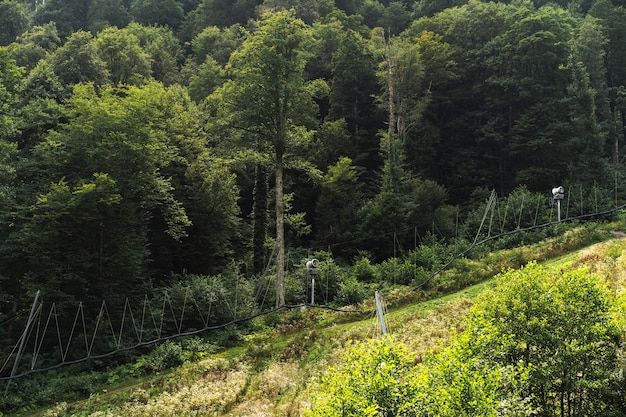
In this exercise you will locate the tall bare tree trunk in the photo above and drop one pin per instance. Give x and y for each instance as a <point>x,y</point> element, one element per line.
<point>280,233</point>
<point>259,213</point>
<point>392,119</point>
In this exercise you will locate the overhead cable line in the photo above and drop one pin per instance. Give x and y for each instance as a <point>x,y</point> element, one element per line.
<point>511,232</point>
<point>165,338</point>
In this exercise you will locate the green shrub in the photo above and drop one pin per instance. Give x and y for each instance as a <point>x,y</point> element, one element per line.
<point>166,355</point>
<point>370,381</point>
<point>351,291</point>
<point>364,271</point>
<point>272,319</point>
<point>195,348</point>
<point>295,292</point>
<point>329,279</point>
<point>222,297</point>
<point>259,348</point>
<point>560,325</point>
<point>397,271</point>
<point>432,257</point>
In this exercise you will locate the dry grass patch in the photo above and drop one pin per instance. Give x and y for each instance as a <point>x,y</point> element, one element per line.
<point>428,330</point>
<point>212,394</point>
<point>607,259</point>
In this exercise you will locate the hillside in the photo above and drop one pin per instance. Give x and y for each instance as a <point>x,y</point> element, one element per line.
<point>275,371</point>
<point>152,149</point>
<point>220,136</point>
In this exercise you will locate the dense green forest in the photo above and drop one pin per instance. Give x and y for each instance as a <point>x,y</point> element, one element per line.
<point>144,143</point>
<point>213,146</point>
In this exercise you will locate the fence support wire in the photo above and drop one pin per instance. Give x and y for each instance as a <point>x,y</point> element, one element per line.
<point>90,355</point>
<point>22,343</point>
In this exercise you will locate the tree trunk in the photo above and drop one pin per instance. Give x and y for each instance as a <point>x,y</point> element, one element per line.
<point>280,233</point>
<point>623,135</point>
<point>259,213</point>
<point>391,109</point>
<point>614,135</point>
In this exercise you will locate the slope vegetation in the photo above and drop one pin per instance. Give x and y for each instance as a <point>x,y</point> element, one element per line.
<point>277,368</point>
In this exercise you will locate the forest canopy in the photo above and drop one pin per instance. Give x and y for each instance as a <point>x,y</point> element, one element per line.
<point>142,140</point>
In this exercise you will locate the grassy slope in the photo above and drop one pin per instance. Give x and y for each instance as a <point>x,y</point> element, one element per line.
<point>275,373</point>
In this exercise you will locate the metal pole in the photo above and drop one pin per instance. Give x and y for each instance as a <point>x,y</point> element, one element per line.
<point>22,343</point>
<point>313,290</point>
<point>379,309</point>
<point>558,209</point>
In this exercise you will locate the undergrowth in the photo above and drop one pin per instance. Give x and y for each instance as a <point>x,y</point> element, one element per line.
<point>276,361</point>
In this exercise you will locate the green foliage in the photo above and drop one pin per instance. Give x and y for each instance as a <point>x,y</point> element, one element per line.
<point>163,48</point>
<point>379,378</point>
<point>371,381</point>
<point>400,271</point>
<point>211,299</point>
<point>351,291</point>
<point>40,83</point>
<point>40,110</point>
<point>253,65</point>
<point>113,181</point>
<point>216,13</point>
<point>74,15</point>
<point>457,383</point>
<point>30,393</point>
<point>525,211</point>
<point>14,20</point>
<point>560,327</point>
<point>403,208</point>
<point>206,80</point>
<point>371,11</point>
<point>158,12</point>
<point>330,277</point>
<point>125,60</point>
<point>352,97</point>
<point>306,10</point>
<point>10,76</point>
<point>340,197</point>
<point>68,16</point>
<point>171,354</point>
<point>542,342</point>
<point>432,256</point>
<point>35,44</point>
<point>127,168</point>
<point>62,212</point>
<point>8,152</point>
<point>268,101</point>
<point>217,43</point>
<point>77,61</point>
<point>363,270</point>
<point>104,13</point>
<point>166,355</point>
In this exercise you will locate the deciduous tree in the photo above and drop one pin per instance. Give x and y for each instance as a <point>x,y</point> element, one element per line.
<point>560,326</point>
<point>352,97</point>
<point>102,195</point>
<point>14,21</point>
<point>125,59</point>
<point>10,77</point>
<point>269,99</point>
<point>340,197</point>
<point>77,61</point>
<point>36,44</point>
<point>158,12</point>
<point>163,48</point>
